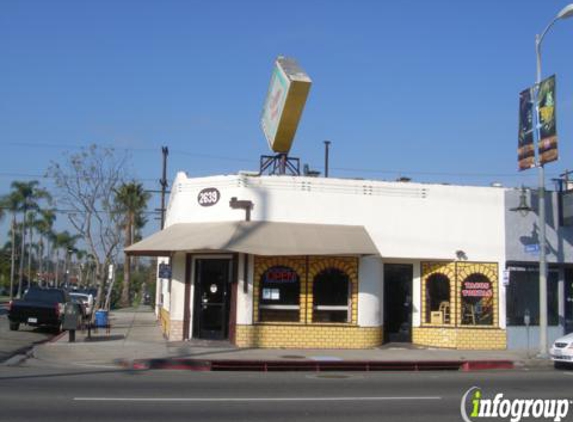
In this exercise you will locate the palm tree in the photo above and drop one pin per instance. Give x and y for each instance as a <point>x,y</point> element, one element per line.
<point>32,224</point>
<point>131,200</point>
<point>45,229</point>
<point>13,202</point>
<point>26,196</point>
<point>66,242</point>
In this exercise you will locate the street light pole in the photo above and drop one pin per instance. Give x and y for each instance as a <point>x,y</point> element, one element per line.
<point>566,12</point>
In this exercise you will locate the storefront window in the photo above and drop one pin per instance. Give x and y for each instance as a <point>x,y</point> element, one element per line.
<point>477,300</point>
<point>523,296</point>
<point>331,296</point>
<point>438,309</point>
<point>279,295</point>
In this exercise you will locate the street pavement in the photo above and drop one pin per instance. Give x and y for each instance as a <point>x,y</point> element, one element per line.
<point>14,342</point>
<point>40,394</point>
<point>89,380</point>
<point>135,336</point>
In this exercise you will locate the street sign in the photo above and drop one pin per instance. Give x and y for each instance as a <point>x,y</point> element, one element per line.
<point>532,249</point>
<point>164,271</point>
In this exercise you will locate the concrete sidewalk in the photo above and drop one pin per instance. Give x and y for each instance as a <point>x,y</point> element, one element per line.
<point>136,341</point>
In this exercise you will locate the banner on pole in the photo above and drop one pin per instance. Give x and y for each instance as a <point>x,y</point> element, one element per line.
<point>525,147</point>
<point>547,143</point>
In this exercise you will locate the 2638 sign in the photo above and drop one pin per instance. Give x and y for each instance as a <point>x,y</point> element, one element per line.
<point>208,197</point>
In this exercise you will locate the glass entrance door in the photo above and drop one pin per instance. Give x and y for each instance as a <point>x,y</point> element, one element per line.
<point>212,294</point>
<point>398,302</point>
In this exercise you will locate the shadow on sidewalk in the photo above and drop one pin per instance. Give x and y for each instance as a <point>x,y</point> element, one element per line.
<point>99,338</point>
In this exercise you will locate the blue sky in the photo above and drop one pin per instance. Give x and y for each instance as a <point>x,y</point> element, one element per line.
<point>418,88</point>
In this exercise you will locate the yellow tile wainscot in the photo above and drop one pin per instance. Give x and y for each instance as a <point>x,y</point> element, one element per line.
<point>308,336</point>
<point>460,338</point>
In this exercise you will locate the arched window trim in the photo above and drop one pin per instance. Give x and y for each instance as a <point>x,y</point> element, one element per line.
<point>447,314</point>
<point>333,308</point>
<point>278,307</point>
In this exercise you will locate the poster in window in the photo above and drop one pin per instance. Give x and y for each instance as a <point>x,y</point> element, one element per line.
<point>477,300</point>
<point>525,147</point>
<point>547,146</point>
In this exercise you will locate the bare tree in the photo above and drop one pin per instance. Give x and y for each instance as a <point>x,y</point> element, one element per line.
<point>87,181</point>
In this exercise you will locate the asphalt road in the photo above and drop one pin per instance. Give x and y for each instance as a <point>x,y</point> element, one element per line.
<point>12,342</point>
<point>30,394</point>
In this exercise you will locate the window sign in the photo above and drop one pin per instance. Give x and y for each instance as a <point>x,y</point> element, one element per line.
<point>477,300</point>
<point>266,294</point>
<point>164,271</point>
<point>279,295</point>
<point>477,289</point>
<point>280,275</point>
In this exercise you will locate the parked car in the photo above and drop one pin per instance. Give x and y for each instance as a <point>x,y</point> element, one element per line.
<point>561,351</point>
<point>39,307</point>
<point>87,300</point>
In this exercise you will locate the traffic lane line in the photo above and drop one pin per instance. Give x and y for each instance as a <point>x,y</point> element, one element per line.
<point>253,399</point>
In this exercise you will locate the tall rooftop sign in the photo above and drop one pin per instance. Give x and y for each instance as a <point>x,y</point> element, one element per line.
<point>285,101</point>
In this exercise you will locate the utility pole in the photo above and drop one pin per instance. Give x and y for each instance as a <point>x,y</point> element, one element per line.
<point>326,157</point>
<point>163,183</point>
<point>13,257</point>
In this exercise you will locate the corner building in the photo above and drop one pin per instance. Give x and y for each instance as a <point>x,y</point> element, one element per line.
<point>331,263</point>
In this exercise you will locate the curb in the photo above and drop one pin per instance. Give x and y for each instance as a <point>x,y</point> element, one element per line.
<point>24,353</point>
<point>315,366</point>
<point>19,357</point>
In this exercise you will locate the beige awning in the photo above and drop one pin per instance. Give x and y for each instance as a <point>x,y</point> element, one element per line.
<point>257,238</point>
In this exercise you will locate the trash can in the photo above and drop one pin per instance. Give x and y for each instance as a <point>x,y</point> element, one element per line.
<point>101,318</point>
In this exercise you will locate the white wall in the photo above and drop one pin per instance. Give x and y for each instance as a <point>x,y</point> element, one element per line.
<point>177,287</point>
<point>408,222</point>
<point>405,220</point>
<point>370,295</point>
<point>245,300</point>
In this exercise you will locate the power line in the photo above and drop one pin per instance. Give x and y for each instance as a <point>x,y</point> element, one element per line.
<point>129,149</point>
<point>246,160</point>
<point>64,211</point>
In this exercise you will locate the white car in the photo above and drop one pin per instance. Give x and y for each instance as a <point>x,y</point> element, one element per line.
<point>87,300</point>
<point>561,351</point>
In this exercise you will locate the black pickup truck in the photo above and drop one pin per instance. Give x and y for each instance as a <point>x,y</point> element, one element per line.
<point>39,307</point>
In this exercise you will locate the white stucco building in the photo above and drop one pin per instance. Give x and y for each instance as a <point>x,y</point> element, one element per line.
<point>328,262</point>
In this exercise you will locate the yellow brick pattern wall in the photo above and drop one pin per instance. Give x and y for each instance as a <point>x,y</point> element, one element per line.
<point>307,273</point>
<point>455,335</point>
<point>305,334</point>
<point>164,320</point>
<point>348,265</point>
<point>457,272</point>
<point>262,264</point>
<point>462,338</point>
<point>465,269</point>
<point>309,336</point>
<point>447,269</point>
